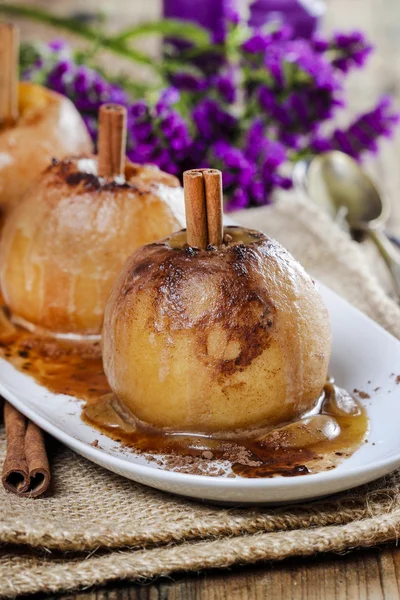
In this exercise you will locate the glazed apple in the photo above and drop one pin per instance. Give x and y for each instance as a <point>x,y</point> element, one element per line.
<point>48,126</point>
<point>67,240</point>
<point>221,338</point>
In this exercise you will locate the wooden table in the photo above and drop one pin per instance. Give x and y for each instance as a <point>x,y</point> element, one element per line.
<point>372,574</point>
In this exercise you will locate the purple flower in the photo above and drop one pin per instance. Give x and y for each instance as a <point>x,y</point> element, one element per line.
<point>91,124</point>
<point>225,86</point>
<point>287,87</point>
<point>320,144</point>
<point>212,121</point>
<point>64,66</point>
<point>58,45</point>
<point>303,19</point>
<point>188,82</point>
<point>232,16</point>
<point>301,54</point>
<point>158,135</point>
<point>319,43</point>
<point>169,96</point>
<point>352,50</point>
<point>292,64</point>
<point>139,110</point>
<point>249,175</point>
<point>238,200</point>
<point>299,113</point>
<point>259,148</point>
<point>274,64</point>
<point>260,40</point>
<point>81,81</point>
<point>238,170</point>
<point>257,43</point>
<point>84,86</point>
<point>362,135</point>
<point>283,182</point>
<point>211,14</point>
<point>302,91</point>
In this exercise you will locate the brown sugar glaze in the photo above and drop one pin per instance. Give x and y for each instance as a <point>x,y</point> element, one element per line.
<point>335,430</point>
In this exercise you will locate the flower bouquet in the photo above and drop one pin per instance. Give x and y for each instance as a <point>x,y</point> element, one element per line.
<point>245,98</point>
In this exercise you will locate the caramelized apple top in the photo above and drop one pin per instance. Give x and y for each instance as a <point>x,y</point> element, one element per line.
<point>80,173</point>
<point>233,235</point>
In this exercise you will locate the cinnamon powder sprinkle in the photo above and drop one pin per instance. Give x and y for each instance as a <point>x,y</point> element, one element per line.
<point>206,464</point>
<point>362,394</point>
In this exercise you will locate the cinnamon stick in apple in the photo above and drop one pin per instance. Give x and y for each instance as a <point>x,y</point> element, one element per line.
<point>203,205</point>
<point>26,470</point>
<point>195,207</point>
<point>9,44</point>
<point>112,140</point>
<point>214,203</point>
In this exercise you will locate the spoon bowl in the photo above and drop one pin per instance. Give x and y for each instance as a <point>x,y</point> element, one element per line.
<point>336,180</point>
<point>337,183</point>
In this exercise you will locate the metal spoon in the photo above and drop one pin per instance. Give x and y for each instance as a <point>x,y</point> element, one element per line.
<point>336,182</point>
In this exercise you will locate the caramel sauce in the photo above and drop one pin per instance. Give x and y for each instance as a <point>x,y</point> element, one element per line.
<point>63,367</point>
<point>317,442</point>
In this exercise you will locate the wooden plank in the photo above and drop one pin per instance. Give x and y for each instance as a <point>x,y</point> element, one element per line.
<point>372,574</point>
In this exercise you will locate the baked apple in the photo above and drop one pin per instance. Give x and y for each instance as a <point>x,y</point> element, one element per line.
<point>226,336</point>
<point>48,126</point>
<point>67,240</point>
<point>36,124</point>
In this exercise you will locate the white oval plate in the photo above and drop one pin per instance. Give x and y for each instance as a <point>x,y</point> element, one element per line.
<point>364,356</point>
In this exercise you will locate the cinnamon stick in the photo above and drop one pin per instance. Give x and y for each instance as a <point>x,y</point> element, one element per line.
<point>9,45</point>
<point>112,140</point>
<point>204,207</point>
<point>195,207</point>
<point>26,470</point>
<point>214,202</point>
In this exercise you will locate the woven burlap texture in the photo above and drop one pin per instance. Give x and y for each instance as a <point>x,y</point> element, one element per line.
<point>97,527</point>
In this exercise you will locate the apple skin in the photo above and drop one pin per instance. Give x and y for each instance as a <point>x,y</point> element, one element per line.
<point>65,243</point>
<point>48,126</point>
<point>219,340</point>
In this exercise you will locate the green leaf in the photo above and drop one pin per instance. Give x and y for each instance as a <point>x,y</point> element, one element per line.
<point>198,51</point>
<point>38,14</point>
<point>237,36</point>
<point>28,55</point>
<point>81,29</point>
<point>256,76</point>
<point>168,27</point>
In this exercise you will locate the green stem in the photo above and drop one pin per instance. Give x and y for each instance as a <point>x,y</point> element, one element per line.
<point>81,29</point>
<point>168,27</point>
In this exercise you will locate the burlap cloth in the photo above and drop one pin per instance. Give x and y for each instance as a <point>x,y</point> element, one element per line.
<point>98,527</point>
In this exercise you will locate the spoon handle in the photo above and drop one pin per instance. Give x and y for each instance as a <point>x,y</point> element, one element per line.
<point>390,254</point>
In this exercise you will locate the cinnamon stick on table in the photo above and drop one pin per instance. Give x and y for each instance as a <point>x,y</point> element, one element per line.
<point>203,204</point>
<point>9,43</point>
<point>112,140</point>
<point>26,470</point>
